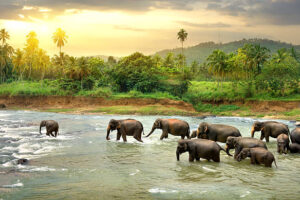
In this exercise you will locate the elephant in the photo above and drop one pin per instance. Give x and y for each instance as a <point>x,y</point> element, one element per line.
<point>216,132</point>
<point>295,148</point>
<point>199,148</point>
<point>173,126</point>
<point>269,128</point>
<point>51,126</point>
<point>295,135</point>
<point>283,143</point>
<point>194,134</point>
<point>238,143</point>
<point>257,155</point>
<point>130,127</point>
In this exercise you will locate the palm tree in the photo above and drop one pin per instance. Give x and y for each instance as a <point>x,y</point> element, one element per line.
<point>182,36</point>
<point>280,55</point>
<point>294,54</point>
<point>60,38</point>
<point>19,63</point>
<point>4,36</point>
<point>217,63</point>
<point>261,54</point>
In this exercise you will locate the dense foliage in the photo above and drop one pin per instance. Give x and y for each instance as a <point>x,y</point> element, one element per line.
<point>248,72</point>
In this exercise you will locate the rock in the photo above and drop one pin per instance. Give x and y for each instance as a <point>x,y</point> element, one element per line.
<point>2,106</point>
<point>23,161</point>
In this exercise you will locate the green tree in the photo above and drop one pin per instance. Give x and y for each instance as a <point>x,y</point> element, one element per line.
<point>217,63</point>
<point>31,48</point>
<point>4,36</point>
<point>19,63</point>
<point>60,38</point>
<point>182,36</point>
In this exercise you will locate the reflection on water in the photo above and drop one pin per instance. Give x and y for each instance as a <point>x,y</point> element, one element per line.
<point>81,164</point>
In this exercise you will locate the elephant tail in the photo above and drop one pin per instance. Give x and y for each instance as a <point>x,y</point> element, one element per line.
<point>143,129</point>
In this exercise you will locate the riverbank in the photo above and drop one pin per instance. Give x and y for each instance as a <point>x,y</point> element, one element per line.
<point>289,110</point>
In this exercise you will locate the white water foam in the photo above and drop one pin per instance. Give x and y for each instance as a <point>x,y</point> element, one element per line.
<point>134,173</point>
<point>208,169</point>
<point>18,184</point>
<point>158,190</point>
<point>244,195</point>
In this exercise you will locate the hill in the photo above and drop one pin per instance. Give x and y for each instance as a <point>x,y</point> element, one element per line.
<point>201,51</point>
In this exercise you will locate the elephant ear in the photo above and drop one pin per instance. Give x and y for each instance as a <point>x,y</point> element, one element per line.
<point>205,128</point>
<point>118,125</point>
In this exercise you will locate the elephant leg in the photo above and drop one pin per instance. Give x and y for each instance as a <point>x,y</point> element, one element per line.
<point>124,137</point>
<point>164,135</point>
<point>137,136</point>
<point>237,151</point>
<point>216,158</point>
<point>118,135</point>
<point>252,159</point>
<point>182,136</point>
<point>262,136</point>
<point>191,157</point>
<point>55,133</point>
<point>267,138</point>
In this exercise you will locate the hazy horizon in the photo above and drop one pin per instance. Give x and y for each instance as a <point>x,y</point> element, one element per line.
<point>120,28</point>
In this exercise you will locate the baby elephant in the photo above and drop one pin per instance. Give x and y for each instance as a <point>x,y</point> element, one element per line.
<point>283,143</point>
<point>51,126</point>
<point>257,155</point>
<point>295,148</point>
<point>199,148</point>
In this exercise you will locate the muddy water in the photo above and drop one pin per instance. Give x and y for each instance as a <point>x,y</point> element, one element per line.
<point>81,164</point>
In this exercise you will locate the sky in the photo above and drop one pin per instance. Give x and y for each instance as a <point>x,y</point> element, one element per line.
<point>121,27</point>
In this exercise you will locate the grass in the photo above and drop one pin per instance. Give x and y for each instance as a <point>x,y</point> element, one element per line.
<point>217,110</point>
<point>56,110</point>
<point>144,110</point>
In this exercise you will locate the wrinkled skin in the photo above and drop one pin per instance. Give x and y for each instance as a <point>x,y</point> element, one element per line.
<point>126,127</point>
<point>51,126</point>
<point>199,148</point>
<point>216,132</point>
<point>283,143</point>
<point>257,155</point>
<point>175,127</point>
<point>238,143</point>
<point>295,148</point>
<point>295,135</point>
<point>269,129</point>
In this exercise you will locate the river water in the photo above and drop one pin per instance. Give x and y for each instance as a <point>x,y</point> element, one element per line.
<point>81,164</point>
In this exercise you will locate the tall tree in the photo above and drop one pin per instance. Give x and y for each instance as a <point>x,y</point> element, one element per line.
<point>182,36</point>
<point>60,38</point>
<point>217,63</point>
<point>4,36</point>
<point>31,48</point>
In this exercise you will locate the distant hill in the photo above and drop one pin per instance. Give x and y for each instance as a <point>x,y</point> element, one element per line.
<point>201,51</point>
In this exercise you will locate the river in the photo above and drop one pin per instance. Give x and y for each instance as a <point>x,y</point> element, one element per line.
<point>81,164</point>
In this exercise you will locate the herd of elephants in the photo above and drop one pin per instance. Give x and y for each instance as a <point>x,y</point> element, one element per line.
<point>206,146</point>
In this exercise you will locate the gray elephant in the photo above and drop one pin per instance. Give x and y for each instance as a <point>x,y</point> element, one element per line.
<point>199,148</point>
<point>130,127</point>
<point>216,132</point>
<point>238,143</point>
<point>283,143</point>
<point>51,126</point>
<point>295,135</point>
<point>257,155</point>
<point>194,134</point>
<point>173,126</point>
<point>295,148</point>
<point>269,129</point>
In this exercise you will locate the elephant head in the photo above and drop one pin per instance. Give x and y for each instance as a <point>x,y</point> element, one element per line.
<point>112,125</point>
<point>244,154</point>
<point>257,126</point>
<point>230,143</point>
<point>281,147</point>
<point>181,148</point>
<point>43,123</point>
<point>157,124</point>
<point>202,130</point>
<point>194,134</point>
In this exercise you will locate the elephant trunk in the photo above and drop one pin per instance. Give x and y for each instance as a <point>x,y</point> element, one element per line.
<point>107,134</point>
<point>177,155</point>
<point>40,129</point>
<point>152,130</point>
<point>227,150</point>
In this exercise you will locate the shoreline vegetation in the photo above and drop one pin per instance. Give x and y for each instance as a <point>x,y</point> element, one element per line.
<point>251,81</point>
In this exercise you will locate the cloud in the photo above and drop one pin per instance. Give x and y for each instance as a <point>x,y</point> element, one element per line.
<point>206,25</point>
<point>129,28</point>
<point>276,12</point>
